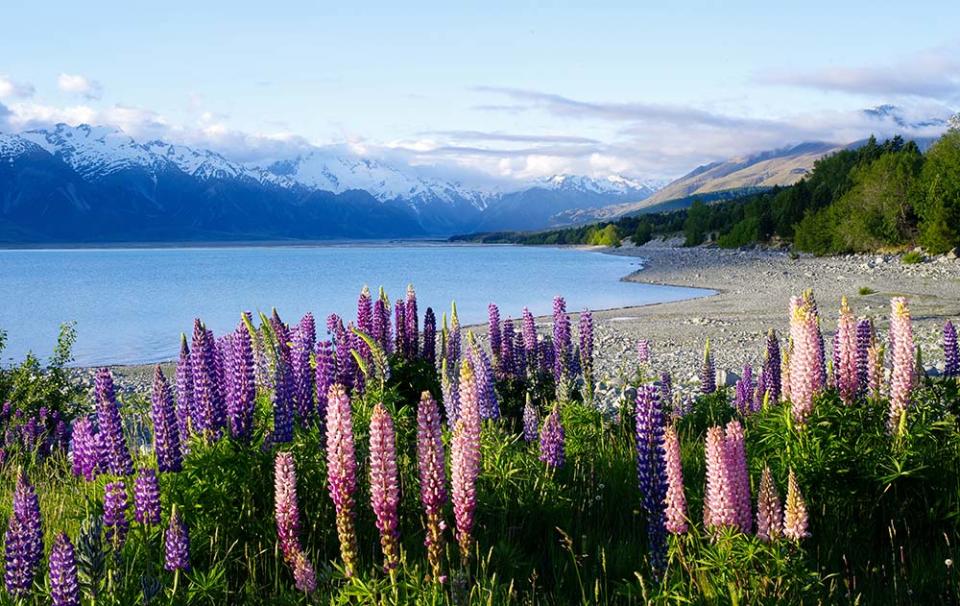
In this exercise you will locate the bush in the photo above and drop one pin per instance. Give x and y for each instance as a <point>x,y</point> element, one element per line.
<point>913,257</point>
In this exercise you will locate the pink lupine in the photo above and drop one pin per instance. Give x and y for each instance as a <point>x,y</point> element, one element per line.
<point>288,522</point>
<point>433,479</point>
<point>769,509</point>
<point>806,373</point>
<point>796,522</point>
<point>719,507</point>
<point>384,487</point>
<point>903,377</point>
<point>465,460</point>
<point>342,472</point>
<point>676,503</point>
<point>738,475</point>
<point>845,370</point>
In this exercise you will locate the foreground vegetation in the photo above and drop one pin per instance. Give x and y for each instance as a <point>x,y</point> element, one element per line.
<point>263,481</point>
<point>876,196</point>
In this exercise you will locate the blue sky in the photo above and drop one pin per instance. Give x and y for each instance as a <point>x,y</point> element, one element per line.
<point>511,90</point>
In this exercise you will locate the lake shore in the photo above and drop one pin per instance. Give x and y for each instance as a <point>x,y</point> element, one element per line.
<point>752,289</point>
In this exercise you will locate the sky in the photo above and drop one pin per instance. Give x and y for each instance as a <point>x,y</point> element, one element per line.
<point>492,90</point>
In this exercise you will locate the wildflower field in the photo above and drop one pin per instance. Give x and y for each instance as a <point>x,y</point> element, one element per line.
<point>398,459</point>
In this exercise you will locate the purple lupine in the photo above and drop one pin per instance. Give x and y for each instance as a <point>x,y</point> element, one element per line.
<point>738,475</point>
<point>666,389</point>
<point>708,371</point>
<point>184,391</point>
<point>116,456</point>
<point>207,411</point>
<point>519,357</point>
<point>342,472</point>
<point>380,324</point>
<point>762,392</point>
<point>743,399</point>
<point>365,312</point>
<point>412,318</point>
<point>64,587</point>
<point>552,440</point>
<point>283,388</point>
<point>545,356</point>
<point>354,340</point>
<point>287,513</point>
<point>225,365</point>
<point>146,498</point>
<point>643,351</point>
<point>346,365</point>
<point>115,513</point>
<point>561,339</point>
<point>586,350</point>
<point>493,329</point>
<point>23,541</point>
<point>528,329</point>
<point>951,356</point>
<point>429,352</point>
<point>400,328</point>
<point>771,367</point>
<point>454,339</point>
<point>303,375</point>
<point>166,435</point>
<point>326,376</point>
<point>86,449</point>
<point>651,471</point>
<point>433,479</point>
<point>465,460</point>
<point>384,484</point>
<point>864,341</point>
<point>176,544</point>
<point>243,394</point>
<point>508,361</point>
<point>489,406</point>
<point>531,421</point>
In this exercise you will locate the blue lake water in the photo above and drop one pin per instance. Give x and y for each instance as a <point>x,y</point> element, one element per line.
<point>130,305</point>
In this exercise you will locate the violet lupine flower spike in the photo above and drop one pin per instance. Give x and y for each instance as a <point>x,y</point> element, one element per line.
<point>400,314</point>
<point>675,513</point>
<point>586,353</point>
<point>429,352</point>
<point>528,329</point>
<point>769,509</point>
<point>185,403</point>
<point>287,513</point>
<point>951,354</point>
<point>902,378</point>
<point>146,498</point>
<point>115,514</point>
<point>771,367</point>
<point>433,479</point>
<point>552,440</point>
<point>365,317</point>
<point>326,375</point>
<point>643,352</point>
<point>651,471</point>
<point>864,340</point>
<point>708,371</point>
<point>86,449</point>
<point>454,339</point>
<point>465,461</point>
<point>493,330</point>
<point>411,315</point>
<point>116,456</point>
<point>176,544</point>
<point>561,339</point>
<point>507,354</point>
<point>23,540</point>
<point>243,394</point>
<point>796,523</point>
<point>303,374</point>
<point>531,421</point>
<point>489,406</point>
<point>166,435</point>
<point>64,585</point>
<point>342,472</point>
<point>282,388</point>
<point>845,369</point>
<point>806,376</point>
<point>743,392</point>
<point>384,485</point>
<point>207,411</point>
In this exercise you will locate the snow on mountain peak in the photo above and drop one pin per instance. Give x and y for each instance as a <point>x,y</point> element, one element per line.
<point>610,184</point>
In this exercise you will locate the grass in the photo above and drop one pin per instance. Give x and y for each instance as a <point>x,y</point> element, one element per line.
<point>913,257</point>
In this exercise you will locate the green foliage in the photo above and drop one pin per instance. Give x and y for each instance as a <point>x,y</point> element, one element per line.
<point>697,223</point>
<point>938,201</point>
<point>912,258</point>
<point>864,291</point>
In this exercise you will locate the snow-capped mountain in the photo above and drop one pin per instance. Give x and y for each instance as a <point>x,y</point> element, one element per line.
<point>156,189</point>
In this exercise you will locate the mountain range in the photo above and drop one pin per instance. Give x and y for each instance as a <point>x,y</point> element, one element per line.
<point>94,184</point>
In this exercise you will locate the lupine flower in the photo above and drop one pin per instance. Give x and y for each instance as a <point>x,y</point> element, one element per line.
<point>561,339</point>
<point>545,356</point>
<point>342,472</point>
<point>400,330</point>
<point>493,330</point>
<point>903,378</point>
<point>115,513</point>
<point>795,521</point>
<point>429,352</point>
<point>86,449</point>
<point>381,321</point>
<point>346,366</point>
<point>465,460</point>
<point>225,370</point>
<point>64,588</point>
<point>287,513</point>
<point>489,406</point>
<point>719,506</point>
<point>864,340</point>
<point>176,543</point>
<point>805,360</point>
<point>453,339</point>
<point>326,375</point>
<point>115,456</point>
<point>146,498</point>
<point>282,388</point>
<point>303,375</point>
<point>951,355</point>
<point>208,415</point>
<point>433,479</point>
<point>552,442</point>
<point>240,406</point>
<point>531,421</point>
<point>769,509</point>
<point>643,351</point>
<point>365,316</point>
<point>708,371</point>
<point>785,372</point>
<point>166,435</point>
<point>185,403</point>
<point>450,390</point>
<point>586,350</point>
<point>507,353</point>
<point>304,576</point>
<point>384,487</point>
<point>675,513</point>
<point>875,355</point>
<point>771,366</point>
<point>520,363</point>
<point>412,318</point>
<point>846,371</point>
<point>738,475</point>
<point>528,330</point>
<point>666,388</point>
<point>743,391</point>
<point>23,541</point>
<point>651,471</point>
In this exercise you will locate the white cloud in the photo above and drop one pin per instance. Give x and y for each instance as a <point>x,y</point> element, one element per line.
<point>11,88</point>
<point>80,85</point>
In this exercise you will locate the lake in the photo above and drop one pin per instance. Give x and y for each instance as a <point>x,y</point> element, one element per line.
<point>130,305</point>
